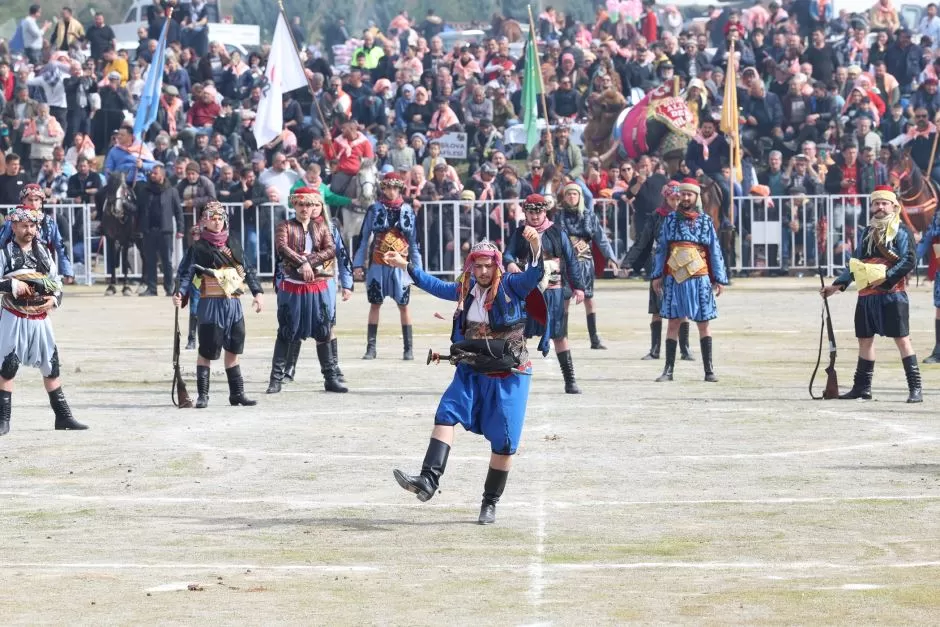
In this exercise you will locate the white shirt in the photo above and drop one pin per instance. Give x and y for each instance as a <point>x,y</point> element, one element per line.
<point>477,311</point>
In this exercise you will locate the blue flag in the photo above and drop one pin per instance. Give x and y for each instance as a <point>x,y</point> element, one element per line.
<point>150,97</point>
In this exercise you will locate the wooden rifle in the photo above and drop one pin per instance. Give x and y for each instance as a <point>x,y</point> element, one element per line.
<point>178,393</point>
<point>831,391</point>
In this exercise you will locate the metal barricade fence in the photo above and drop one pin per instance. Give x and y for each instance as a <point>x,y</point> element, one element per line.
<point>779,233</point>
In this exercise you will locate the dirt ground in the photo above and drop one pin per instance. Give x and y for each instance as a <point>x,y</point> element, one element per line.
<point>742,501</point>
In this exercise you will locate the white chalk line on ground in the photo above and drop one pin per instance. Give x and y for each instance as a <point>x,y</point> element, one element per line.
<point>557,567</point>
<point>323,568</point>
<point>536,569</point>
<point>525,506</point>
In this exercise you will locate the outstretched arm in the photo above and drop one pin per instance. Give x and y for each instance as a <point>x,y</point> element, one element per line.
<point>446,290</point>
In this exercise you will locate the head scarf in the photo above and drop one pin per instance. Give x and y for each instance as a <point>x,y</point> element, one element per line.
<point>214,208</point>
<point>22,214</point>
<point>887,227</point>
<point>691,185</point>
<point>483,250</point>
<point>573,187</point>
<point>537,201</point>
<point>309,194</point>
<point>32,189</point>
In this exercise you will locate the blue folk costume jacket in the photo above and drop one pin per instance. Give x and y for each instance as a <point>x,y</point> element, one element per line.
<point>343,262</point>
<point>50,236</point>
<point>899,253</point>
<point>701,231</point>
<point>555,245</point>
<point>586,225</point>
<point>509,307</point>
<point>382,218</point>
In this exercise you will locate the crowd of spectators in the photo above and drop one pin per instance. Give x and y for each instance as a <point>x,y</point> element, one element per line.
<point>824,102</point>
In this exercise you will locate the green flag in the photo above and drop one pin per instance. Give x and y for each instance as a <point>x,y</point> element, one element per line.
<point>531,87</point>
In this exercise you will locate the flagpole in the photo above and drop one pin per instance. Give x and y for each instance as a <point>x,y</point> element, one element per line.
<point>733,147</point>
<point>548,125</point>
<point>327,134</point>
<point>163,36</point>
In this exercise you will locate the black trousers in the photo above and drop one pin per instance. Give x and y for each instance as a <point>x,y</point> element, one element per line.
<point>158,244</point>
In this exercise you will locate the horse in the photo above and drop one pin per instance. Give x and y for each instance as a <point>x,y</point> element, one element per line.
<point>363,189</point>
<point>506,27</point>
<point>117,211</point>
<point>917,194</point>
<point>711,198</point>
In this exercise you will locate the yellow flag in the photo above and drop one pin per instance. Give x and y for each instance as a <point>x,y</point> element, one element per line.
<point>730,116</point>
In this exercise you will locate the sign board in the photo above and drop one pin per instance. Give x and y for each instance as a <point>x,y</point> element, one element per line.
<point>453,145</point>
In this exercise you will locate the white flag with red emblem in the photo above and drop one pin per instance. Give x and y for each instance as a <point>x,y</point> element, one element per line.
<point>283,73</point>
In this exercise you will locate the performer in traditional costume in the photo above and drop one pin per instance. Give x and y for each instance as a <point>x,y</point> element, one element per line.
<point>30,289</point>
<point>879,266</point>
<point>341,272</point>
<point>218,257</point>
<point>688,273</point>
<point>304,246</point>
<point>490,389</point>
<point>389,226</point>
<point>48,234</point>
<point>637,257</point>
<point>583,227</point>
<point>929,249</point>
<point>562,279</point>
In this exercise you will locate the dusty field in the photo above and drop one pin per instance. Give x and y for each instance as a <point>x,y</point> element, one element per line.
<point>636,502</point>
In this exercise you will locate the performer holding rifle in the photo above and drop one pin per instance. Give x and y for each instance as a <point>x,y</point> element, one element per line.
<point>880,265</point>
<point>492,308</point>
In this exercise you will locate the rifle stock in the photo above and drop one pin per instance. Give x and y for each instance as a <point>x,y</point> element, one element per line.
<point>178,393</point>
<point>831,391</point>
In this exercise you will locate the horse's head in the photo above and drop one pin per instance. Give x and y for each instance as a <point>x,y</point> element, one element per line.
<point>900,168</point>
<point>115,182</point>
<point>367,181</point>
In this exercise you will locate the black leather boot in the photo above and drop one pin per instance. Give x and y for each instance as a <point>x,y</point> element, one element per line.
<point>293,354</point>
<point>407,335</point>
<point>425,484</point>
<point>373,333</point>
<point>334,346</point>
<point>278,364</point>
<point>706,344</point>
<point>325,355</point>
<point>934,357</point>
<point>6,410</point>
<point>670,361</point>
<point>914,387</point>
<point>861,386</point>
<point>592,332</point>
<point>191,338</point>
<point>63,413</point>
<point>567,371</point>
<point>236,387</point>
<point>684,349</point>
<point>492,490</point>
<point>656,339</point>
<point>202,386</point>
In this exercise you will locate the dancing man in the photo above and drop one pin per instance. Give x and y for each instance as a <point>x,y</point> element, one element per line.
<point>637,257</point>
<point>582,228</point>
<point>880,266</point>
<point>304,246</point>
<point>490,307</point>
<point>218,257</point>
<point>340,269</point>
<point>562,274</point>
<point>30,288</point>
<point>33,197</point>
<point>391,223</point>
<point>688,273</point>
